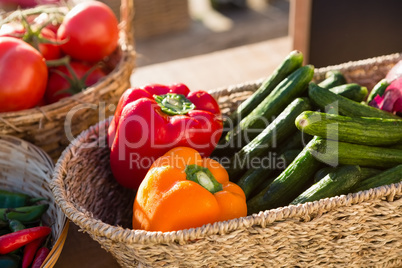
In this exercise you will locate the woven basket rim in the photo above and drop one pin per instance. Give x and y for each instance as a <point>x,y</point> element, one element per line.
<point>318,72</point>
<point>125,44</point>
<point>263,218</point>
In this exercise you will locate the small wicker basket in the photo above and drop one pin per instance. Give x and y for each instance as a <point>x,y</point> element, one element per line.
<point>48,126</point>
<point>25,168</point>
<point>359,229</point>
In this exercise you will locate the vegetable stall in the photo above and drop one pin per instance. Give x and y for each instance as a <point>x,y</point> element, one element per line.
<point>330,179</point>
<point>304,169</point>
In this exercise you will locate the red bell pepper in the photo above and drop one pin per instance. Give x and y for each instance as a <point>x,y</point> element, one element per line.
<point>151,120</point>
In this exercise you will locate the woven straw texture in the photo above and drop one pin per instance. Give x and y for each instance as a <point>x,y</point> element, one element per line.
<point>156,17</point>
<point>45,126</point>
<point>25,168</point>
<point>360,229</point>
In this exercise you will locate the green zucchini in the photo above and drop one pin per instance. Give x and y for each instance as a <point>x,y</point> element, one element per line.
<point>392,175</point>
<point>332,79</point>
<point>378,89</point>
<point>333,103</point>
<point>289,184</point>
<point>276,132</point>
<point>359,130</point>
<point>337,182</point>
<point>283,94</point>
<point>291,63</point>
<point>336,153</point>
<point>351,91</point>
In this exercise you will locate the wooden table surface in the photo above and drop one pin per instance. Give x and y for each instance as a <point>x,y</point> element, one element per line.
<point>209,71</point>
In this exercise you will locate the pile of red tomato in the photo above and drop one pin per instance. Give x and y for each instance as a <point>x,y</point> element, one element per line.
<point>43,59</point>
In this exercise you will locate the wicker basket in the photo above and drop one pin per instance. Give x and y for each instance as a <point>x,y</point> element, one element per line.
<point>45,126</point>
<point>27,169</point>
<point>157,17</point>
<point>359,229</point>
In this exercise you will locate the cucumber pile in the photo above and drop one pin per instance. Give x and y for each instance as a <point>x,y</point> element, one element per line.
<point>324,138</point>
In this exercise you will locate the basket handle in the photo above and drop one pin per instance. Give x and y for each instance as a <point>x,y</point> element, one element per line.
<point>126,19</point>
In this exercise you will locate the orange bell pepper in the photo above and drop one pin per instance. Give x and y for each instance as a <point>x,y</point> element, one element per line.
<point>183,190</point>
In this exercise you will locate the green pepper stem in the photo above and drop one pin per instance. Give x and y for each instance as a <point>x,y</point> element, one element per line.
<point>203,177</point>
<point>174,104</point>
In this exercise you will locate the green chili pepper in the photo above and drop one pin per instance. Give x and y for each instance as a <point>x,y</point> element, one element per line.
<point>9,261</point>
<point>24,214</point>
<point>13,199</point>
<point>16,225</point>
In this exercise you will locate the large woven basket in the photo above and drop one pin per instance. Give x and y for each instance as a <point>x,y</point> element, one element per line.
<point>45,126</point>
<point>26,168</point>
<point>359,229</point>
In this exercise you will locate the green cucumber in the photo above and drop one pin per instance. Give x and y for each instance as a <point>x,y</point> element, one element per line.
<point>351,91</point>
<point>289,156</point>
<point>392,175</point>
<point>365,172</point>
<point>359,130</point>
<point>369,172</point>
<point>291,87</point>
<point>332,79</point>
<point>276,132</point>
<point>297,141</point>
<point>336,153</point>
<point>337,182</point>
<point>253,179</point>
<point>321,173</point>
<point>291,63</point>
<point>256,177</point>
<point>333,103</point>
<point>289,184</point>
<point>378,89</point>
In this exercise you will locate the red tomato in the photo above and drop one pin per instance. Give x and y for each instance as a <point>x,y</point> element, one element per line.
<point>23,75</point>
<point>59,87</point>
<point>49,51</point>
<point>90,31</point>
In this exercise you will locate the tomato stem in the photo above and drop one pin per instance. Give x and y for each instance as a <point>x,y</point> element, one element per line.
<point>59,62</point>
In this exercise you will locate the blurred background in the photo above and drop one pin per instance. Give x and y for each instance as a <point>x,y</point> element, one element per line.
<point>194,27</point>
<point>327,32</point>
